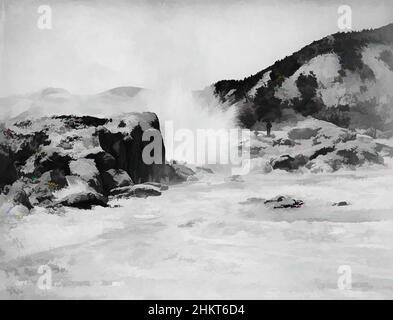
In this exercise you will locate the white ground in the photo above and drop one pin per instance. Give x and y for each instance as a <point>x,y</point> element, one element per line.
<point>197,241</point>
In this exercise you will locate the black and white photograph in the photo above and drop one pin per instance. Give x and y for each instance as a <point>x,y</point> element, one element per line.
<point>196,150</point>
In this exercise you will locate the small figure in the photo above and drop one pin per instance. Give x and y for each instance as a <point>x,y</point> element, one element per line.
<point>268,127</point>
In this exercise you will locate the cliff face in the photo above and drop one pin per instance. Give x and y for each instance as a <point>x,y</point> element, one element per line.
<point>345,78</point>
<point>48,155</point>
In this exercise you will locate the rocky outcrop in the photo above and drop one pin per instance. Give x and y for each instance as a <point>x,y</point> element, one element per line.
<point>126,148</point>
<point>318,146</point>
<point>78,161</point>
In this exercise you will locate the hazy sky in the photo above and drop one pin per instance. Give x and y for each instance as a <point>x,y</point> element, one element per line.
<point>97,45</point>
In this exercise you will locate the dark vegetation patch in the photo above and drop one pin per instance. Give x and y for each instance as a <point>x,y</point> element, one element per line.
<point>85,121</point>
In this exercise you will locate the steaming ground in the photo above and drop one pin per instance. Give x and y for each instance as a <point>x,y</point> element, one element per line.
<point>196,241</point>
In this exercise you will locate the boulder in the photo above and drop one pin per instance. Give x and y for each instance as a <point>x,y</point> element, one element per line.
<point>104,161</point>
<point>126,145</point>
<point>182,170</point>
<point>143,191</point>
<point>341,204</point>
<point>281,202</point>
<point>289,163</point>
<point>116,178</point>
<point>84,200</point>
<point>353,155</point>
<point>139,191</point>
<point>56,176</point>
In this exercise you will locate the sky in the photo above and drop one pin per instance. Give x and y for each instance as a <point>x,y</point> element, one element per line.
<point>97,45</point>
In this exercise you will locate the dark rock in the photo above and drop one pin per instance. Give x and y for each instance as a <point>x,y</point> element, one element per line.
<point>288,163</point>
<point>44,163</point>
<point>75,122</point>
<point>23,124</point>
<point>84,200</point>
<point>322,152</point>
<point>116,178</point>
<point>281,202</point>
<point>16,151</point>
<point>127,149</point>
<point>284,142</point>
<point>353,156</point>
<point>372,157</point>
<point>139,191</point>
<point>57,176</point>
<point>143,191</point>
<point>341,204</point>
<point>30,144</point>
<point>104,161</point>
<point>8,173</point>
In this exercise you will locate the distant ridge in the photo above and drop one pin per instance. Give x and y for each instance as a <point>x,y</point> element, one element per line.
<point>344,78</point>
